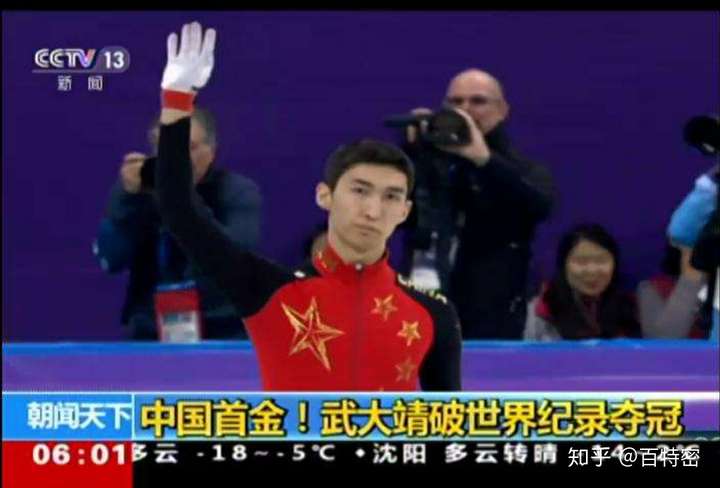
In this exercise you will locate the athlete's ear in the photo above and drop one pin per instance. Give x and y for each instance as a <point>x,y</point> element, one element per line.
<point>406,212</point>
<point>323,196</point>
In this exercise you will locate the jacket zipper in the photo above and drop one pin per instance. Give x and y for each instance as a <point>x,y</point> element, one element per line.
<point>356,345</point>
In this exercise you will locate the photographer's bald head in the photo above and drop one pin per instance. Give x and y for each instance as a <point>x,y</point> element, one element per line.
<point>479,94</point>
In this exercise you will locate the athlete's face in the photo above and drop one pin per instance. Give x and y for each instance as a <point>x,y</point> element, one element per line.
<point>368,202</point>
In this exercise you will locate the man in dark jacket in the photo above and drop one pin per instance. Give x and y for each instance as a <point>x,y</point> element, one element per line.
<point>131,235</point>
<point>481,204</point>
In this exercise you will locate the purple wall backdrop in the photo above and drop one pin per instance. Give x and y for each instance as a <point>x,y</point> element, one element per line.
<point>600,97</point>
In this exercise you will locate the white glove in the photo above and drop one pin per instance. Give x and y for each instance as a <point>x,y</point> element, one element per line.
<point>189,68</point>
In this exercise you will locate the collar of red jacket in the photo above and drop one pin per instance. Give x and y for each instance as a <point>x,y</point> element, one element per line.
<point>329,263</point>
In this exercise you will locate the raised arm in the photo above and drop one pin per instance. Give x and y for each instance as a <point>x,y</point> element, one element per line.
<point>248,280</point>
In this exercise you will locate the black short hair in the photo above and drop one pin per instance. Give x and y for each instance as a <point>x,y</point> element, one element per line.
<point>368,151</point>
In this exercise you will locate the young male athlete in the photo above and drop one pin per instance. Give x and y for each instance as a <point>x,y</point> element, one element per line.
<point>345,321</point>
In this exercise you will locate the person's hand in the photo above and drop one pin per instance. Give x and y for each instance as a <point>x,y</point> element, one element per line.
<point>130,172</point>
<point>477,150</point>
<point>411,132</point>
<point>686,269</point>
<point>188,69</point>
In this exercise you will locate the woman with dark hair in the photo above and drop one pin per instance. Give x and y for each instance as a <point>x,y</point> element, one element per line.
<point>583,300</point>
<point>669,303</point>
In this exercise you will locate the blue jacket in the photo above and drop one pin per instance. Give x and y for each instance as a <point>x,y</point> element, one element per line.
<point>695,223</point>
<point>693,213</point>
<point>131,236</point>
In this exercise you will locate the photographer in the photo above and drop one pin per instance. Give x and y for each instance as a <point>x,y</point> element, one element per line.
<point>706,256</point>
<point>477,206</point>
<point>161,277</point>
<point>696,221</point>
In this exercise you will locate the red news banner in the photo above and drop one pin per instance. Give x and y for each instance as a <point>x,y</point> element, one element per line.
<point>67,464</point>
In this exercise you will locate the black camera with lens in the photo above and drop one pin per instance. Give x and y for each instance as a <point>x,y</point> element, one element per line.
<point>703,133</point>
<point>444,127</point>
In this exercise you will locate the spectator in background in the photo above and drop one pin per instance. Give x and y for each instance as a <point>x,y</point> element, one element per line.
<point>695,224</point>
<point>669,303</point>
<point>132,238</point>
<point>476,209</point>
<point>583,300</point>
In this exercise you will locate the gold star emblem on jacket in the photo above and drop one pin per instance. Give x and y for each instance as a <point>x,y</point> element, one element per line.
<point>384,306</point>
<point>405,370</point>
<point>409,331</point>
<point>310,332</point>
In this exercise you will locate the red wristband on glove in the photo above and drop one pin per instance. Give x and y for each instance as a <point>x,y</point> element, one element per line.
<point>178,100</point>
